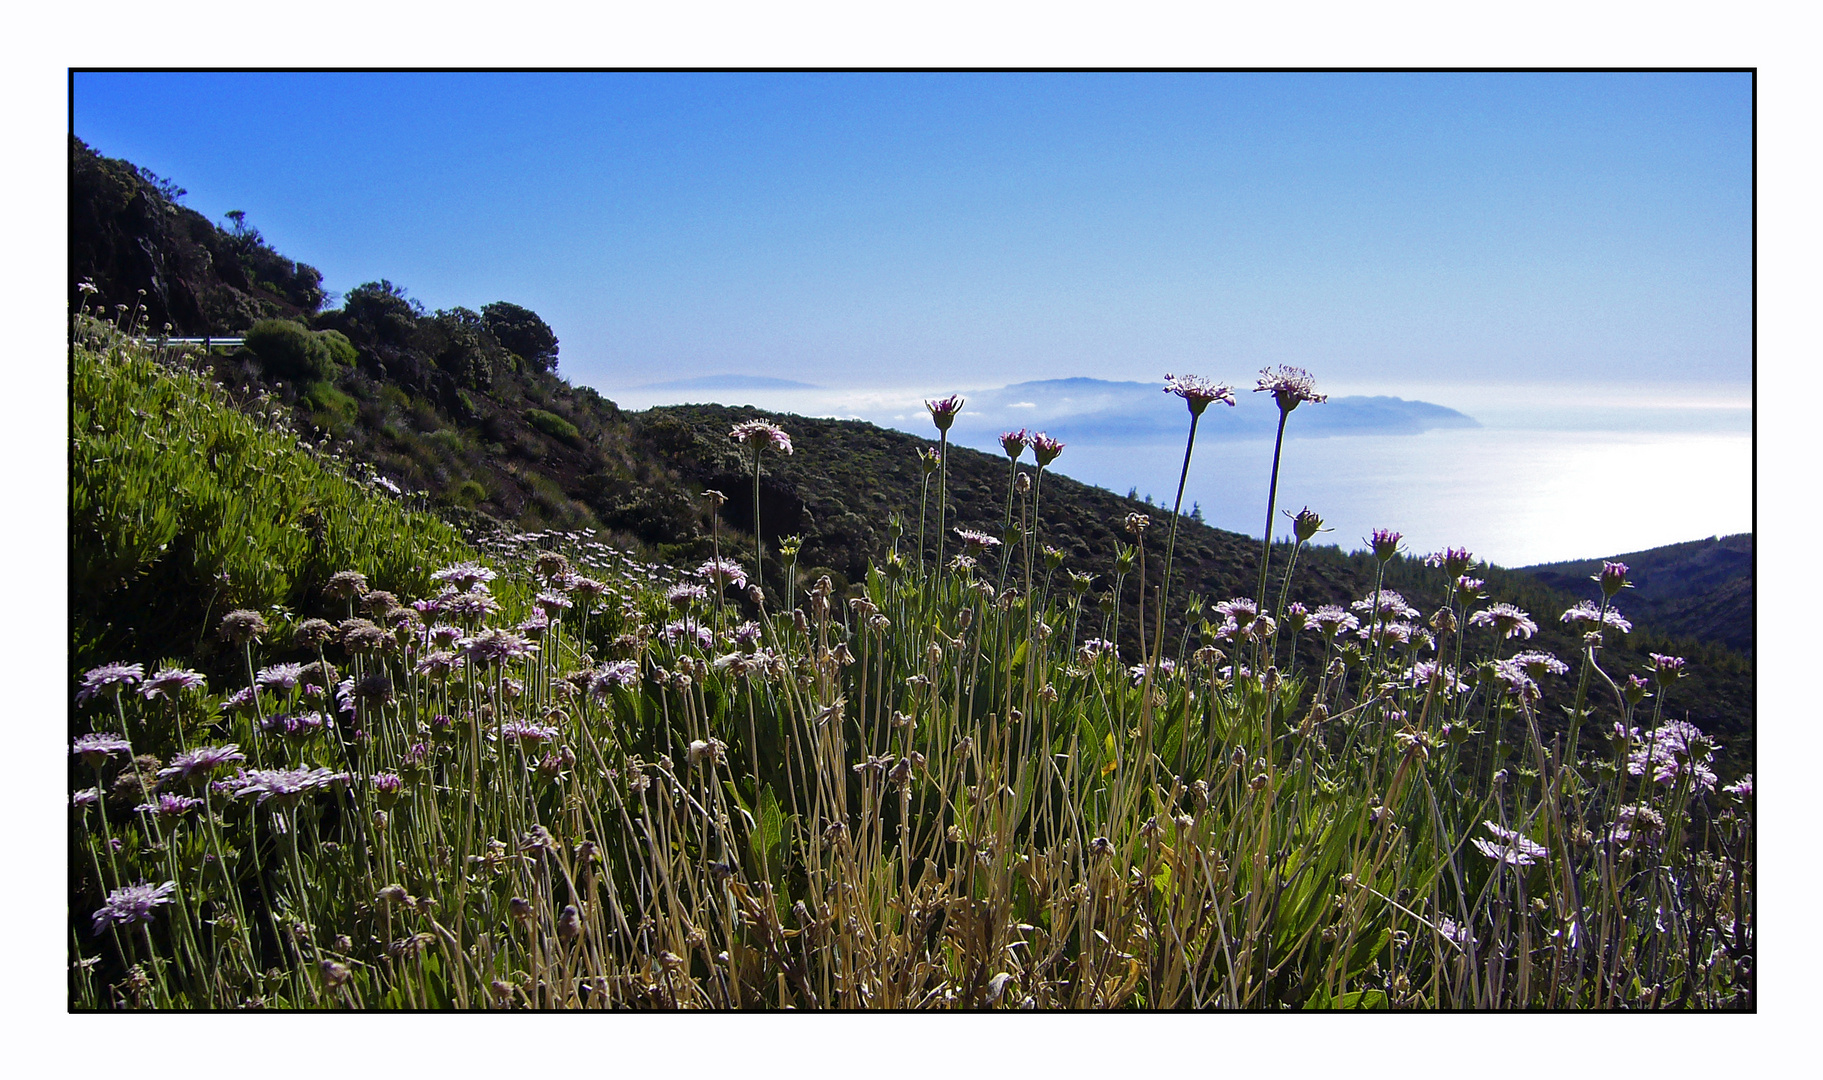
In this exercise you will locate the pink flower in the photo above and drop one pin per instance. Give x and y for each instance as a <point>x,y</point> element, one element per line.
<point>943,411</point>
<point>1289,386</point>
<point>758,433</point>
<point>1198,392</point>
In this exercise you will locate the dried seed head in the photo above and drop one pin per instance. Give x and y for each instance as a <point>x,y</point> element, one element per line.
<point>345,585</point>
<point>312,632</point>
<point>334,974</point>
<point>242,626</point>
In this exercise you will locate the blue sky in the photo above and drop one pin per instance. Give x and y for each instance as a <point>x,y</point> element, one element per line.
<point>933,230</point>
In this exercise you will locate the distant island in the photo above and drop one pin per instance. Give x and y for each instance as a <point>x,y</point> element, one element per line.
<point>1098,410</point>
<point>730,382</point>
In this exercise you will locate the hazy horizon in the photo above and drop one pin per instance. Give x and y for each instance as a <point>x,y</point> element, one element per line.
<point>1540,479</point>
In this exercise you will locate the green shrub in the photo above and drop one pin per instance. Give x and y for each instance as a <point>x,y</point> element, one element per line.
<point>553,425</point>
<point>329,407</point>
<point>340,349</point>
<point>289,351</point>
<point>469,493</point>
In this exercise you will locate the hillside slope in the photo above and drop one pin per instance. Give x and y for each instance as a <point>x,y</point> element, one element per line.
<point>1702,589</point>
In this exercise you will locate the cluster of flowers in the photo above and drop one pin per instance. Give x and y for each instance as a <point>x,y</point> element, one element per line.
<point>1043,446</point>
<point>1674,750</point>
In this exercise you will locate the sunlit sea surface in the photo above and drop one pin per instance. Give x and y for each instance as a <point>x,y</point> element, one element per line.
<point>1548,476</point>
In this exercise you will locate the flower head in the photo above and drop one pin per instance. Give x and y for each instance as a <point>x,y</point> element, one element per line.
<point>1198,392</point>
<point>1675,748</point>
<point>618,673</point>
<point>682,596</point>
<point>1014,442</point>
<point>976,542</point>
<point>1508,621</point>
<point>1044,448</point>
<point>495,646</point>
<point>1540,663</point>
<point>296,726</point>
<point>1387,604</point>
<point>463,575</point>
<point>347,584</point>
<point>1453,560</point>
<point>1289,386</point>
<point>526,733</point>
<point>168,681</point>
<point>133,903</point>
<point>1329,619</point>
<point>1513,848</point>
<point>1385,543</point>
<point>287,786</point>
<point>723,572</point>
<point>756,435</point>
<point>1305,524</point>
<point>96,748</point>
<point>1586,611</point>
<point>1636,822</point>
<point>242,626</point>
<point>678,631</point>
<point>943,411</point>
<point>169,805</point>
<point>280,676</point>
<point>437,662</point>
<point>95,680</point>
<point>1095,648</point>
<point>1668,669</point>
<point>1613,578</point>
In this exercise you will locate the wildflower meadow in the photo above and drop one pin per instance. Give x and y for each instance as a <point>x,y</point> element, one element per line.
<point>534,771</point>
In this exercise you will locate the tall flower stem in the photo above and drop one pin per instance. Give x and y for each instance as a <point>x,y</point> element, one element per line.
<point>942,489</point>
<point>1272,498</point>
<point>1164,588</point>
<point>923,502</point>
<point>759,545</point>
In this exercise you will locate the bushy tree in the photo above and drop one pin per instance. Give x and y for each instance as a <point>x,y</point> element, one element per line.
<point>521,331</point>
<point>380,311</point>
<point>459,342</point>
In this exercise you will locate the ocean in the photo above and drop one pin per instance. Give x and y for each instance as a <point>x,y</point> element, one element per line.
<point>1548,474</point>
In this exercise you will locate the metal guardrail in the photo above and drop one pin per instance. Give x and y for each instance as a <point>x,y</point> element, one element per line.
<point>205,342</point>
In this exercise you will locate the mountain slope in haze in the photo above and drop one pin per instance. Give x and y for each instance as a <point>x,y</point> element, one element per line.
<point>1702,589</point>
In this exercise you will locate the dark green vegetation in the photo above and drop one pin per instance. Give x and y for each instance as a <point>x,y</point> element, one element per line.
<point>1702,589</point>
